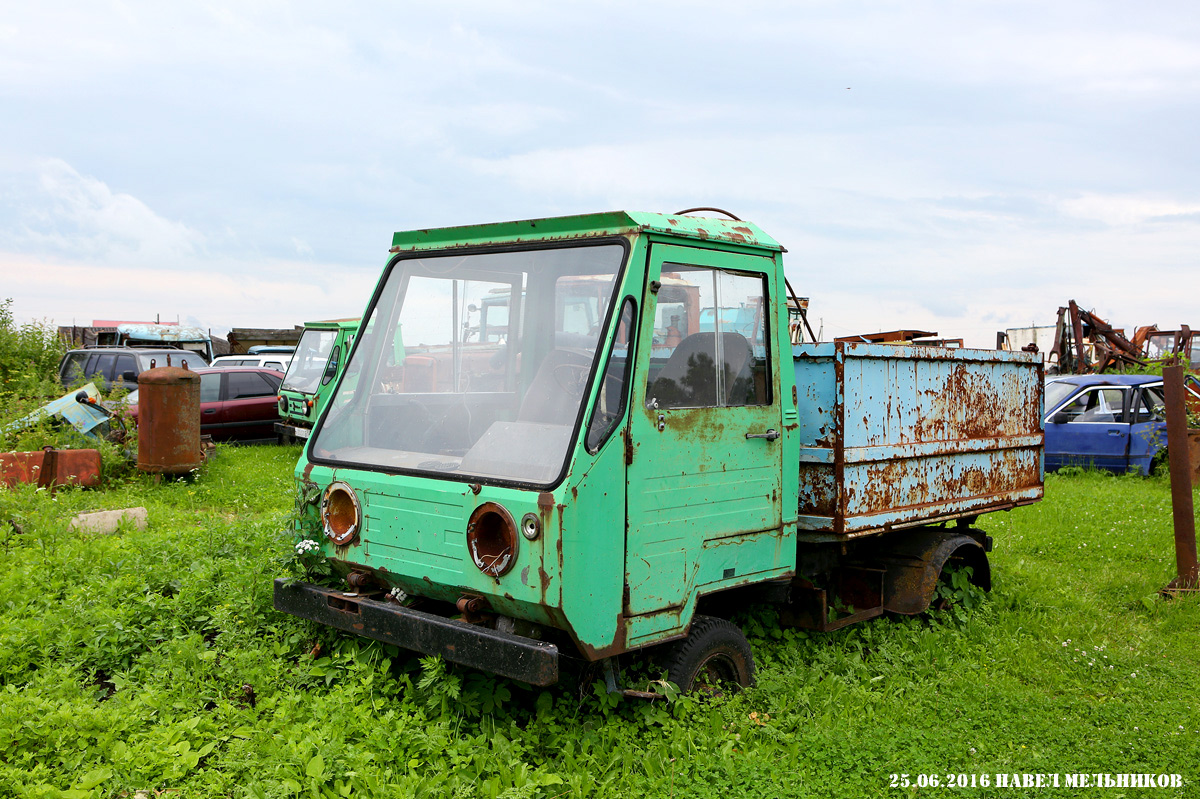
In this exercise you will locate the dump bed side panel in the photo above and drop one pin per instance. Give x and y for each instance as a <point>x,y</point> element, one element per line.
<point>894,435</point>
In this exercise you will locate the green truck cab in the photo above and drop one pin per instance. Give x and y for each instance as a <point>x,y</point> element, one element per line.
<point>594,436</point>
<point>319,358</point>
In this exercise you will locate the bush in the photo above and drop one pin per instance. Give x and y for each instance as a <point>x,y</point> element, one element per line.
<point>29,355</point>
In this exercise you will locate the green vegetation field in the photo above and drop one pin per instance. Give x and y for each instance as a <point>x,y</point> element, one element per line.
<point>152,661</point>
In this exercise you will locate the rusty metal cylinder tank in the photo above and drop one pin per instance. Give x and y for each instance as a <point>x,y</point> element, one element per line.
<point>168,420</point>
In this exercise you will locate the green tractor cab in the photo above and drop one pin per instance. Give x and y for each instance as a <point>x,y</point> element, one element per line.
<point>319,358</point>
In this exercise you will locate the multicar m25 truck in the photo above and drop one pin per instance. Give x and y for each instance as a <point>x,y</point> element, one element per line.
<point>624,468</point>
<point>319,358</point>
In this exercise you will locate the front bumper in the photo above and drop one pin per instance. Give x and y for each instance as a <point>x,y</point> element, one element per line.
<point>513,656</point>
<point>292,430</point>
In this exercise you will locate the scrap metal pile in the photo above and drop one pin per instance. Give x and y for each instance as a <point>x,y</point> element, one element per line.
<point>1083,343</point>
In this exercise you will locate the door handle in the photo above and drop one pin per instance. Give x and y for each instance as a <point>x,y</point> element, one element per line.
<point>770,435</point>
<point>210,410</point>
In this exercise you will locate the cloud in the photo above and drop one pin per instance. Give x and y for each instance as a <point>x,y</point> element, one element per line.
<point>63,211</point>
<point>73,249</point>
<point>1129,210</point>
<point>219,296</point>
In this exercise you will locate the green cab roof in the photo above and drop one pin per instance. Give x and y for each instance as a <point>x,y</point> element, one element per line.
<point>562,228</point>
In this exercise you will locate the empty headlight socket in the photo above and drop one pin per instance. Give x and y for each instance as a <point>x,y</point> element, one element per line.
<point>341,515</point>
<point>492,539</point>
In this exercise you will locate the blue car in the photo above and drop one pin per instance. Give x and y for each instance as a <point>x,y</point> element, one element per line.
<point>1113,422</point>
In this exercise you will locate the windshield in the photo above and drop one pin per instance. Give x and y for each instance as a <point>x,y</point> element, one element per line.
<point>150,360</point>
<point>439,388</point>
<point>308,364</point>
<point>1057,391</point>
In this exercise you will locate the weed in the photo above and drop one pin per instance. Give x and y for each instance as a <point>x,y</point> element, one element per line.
<point>124,661</point>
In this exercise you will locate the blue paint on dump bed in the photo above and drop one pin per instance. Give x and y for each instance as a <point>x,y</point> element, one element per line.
<point>894,436</point>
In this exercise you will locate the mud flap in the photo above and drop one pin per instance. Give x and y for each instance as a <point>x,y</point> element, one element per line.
<point>913,562</point>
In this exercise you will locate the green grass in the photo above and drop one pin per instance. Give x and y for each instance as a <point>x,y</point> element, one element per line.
<point>153,661</point>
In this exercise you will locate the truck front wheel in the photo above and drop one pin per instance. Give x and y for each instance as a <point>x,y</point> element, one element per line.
<point>714,656</point>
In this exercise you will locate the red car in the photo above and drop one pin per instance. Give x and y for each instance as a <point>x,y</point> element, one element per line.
<point>236,403</point>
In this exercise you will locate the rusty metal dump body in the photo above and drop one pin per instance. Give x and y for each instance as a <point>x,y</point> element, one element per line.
<point>896,436</point>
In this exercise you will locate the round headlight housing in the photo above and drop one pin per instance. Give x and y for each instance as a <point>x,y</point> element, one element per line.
<point>340,513</point>
<point>492,539</point>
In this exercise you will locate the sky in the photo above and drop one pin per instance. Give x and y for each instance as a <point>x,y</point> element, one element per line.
<point>956,166</point>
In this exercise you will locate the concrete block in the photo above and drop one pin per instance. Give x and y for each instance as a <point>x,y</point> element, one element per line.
<point>107,521</point>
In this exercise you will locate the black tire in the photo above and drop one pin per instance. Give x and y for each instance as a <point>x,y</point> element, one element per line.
<point>714,657</point>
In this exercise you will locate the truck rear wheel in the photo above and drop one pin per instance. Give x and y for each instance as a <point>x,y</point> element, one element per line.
<point>714,657</point>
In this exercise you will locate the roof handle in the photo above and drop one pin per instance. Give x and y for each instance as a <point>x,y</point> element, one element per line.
<point>687,211</point>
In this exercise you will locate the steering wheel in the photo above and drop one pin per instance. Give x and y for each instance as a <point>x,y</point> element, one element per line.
<point>410,427</point>
<point>571,377</point>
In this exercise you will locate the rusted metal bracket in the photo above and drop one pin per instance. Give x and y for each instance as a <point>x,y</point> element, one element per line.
<point>612,682</point>
<point>859,589</point>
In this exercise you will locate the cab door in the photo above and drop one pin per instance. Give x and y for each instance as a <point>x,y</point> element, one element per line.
<point>704,459</point>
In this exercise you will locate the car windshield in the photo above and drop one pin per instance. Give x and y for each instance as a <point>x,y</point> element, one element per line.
<point>430,390</point>
<point>1057,391</point>
<point>308,364</point>
<point>150,360</point>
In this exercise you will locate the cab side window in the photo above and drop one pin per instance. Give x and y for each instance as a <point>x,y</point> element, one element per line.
<point>710,339</point>
<point>610,402</point>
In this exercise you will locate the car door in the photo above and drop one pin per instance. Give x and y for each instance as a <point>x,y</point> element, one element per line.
<point>705,462</point>
<point>210,404</point>
<point>248,405</point>
<point>1147,427</point>
<point>1090,429</point>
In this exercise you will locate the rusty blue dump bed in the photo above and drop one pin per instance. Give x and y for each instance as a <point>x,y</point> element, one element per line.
<point>895,436</point>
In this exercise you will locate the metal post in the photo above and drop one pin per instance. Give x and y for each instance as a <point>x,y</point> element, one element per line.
<point>1181,482</point>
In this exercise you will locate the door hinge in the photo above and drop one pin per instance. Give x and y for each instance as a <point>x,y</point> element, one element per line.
<point>625,599</point>
<point>628,446</point>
